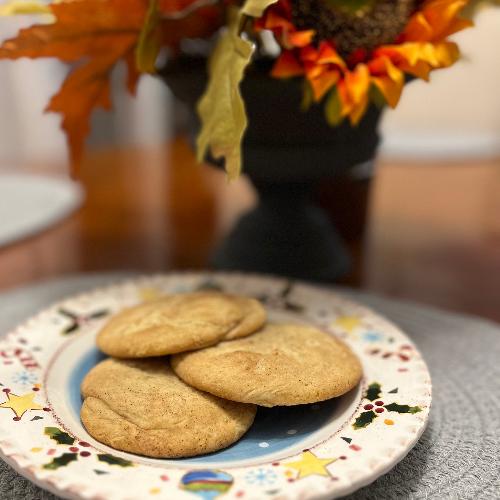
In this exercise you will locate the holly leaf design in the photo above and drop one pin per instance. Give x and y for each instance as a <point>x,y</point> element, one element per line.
<point>365,419</point>
<point>373,391</point>
<point>62,461</point>
<point>402,408</point>
<point>59,436</point>
<point>112,460</point>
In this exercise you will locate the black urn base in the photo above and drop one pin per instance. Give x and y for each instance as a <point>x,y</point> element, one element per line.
<point>285,234</point>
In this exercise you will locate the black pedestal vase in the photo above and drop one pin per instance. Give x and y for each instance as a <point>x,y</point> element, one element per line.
<point>287,153</point>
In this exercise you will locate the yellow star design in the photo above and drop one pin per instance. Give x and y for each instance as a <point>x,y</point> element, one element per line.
<point>21,404</point>
<point>310,465</point>
<point>347,323</point>
<point>148,294</point>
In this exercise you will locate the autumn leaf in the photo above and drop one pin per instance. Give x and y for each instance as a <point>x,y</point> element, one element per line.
<point>221,108</point>
<point>94,35</point>
<point>201,23</point>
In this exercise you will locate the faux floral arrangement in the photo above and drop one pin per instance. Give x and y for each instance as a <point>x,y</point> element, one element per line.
<point>349,53</point>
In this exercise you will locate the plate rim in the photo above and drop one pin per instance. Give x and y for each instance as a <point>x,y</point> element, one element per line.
<point>50,483</point>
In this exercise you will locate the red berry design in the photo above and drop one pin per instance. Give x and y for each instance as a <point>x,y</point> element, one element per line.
<point>85,453</point>
<point>379,410</point>
<point>368,407</point>
<point>73,449</point>
<point>379,403</point>
<point>84,444</point>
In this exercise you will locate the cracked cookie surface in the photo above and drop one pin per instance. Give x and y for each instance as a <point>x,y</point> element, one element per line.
<point>281,365</point>
<point>179,323</point>
<point>142,407</point>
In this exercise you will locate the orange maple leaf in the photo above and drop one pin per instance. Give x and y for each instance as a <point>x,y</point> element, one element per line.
<point>93,35</point>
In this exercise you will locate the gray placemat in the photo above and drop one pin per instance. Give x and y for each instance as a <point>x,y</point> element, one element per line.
<point>458,457</point>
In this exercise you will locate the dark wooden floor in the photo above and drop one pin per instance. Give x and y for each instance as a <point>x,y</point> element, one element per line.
<point>433,229</point>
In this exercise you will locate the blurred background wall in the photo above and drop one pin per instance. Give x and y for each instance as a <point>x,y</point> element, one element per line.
<point>459,114</point>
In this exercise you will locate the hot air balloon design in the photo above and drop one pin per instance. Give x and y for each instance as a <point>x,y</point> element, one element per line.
<point>207,484</point>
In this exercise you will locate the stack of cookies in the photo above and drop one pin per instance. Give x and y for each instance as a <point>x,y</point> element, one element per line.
<point>224,361</point>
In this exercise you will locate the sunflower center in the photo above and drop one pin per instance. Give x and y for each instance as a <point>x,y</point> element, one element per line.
<point>354,25</point>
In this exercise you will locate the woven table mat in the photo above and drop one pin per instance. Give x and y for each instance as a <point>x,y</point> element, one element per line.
<point>458,456</point>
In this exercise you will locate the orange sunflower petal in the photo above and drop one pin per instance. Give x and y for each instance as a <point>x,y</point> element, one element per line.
<point>388,79</point>
<point>442,14</point>
<point>357,83</point>
<point>354,110</point>
<point>287,66</point>
<point>328,55</point>
<point>436,20</point>
<point>420,69</point>
<point>358,111</point>
<point>301,38</point>
<point>418,28</point>
<point>323,83</point>
<point>274,21</point>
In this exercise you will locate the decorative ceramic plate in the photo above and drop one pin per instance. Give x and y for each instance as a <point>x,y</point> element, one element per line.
<point>322,450</point>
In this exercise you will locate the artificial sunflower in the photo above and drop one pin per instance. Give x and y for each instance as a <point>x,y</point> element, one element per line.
<point>358,51</point>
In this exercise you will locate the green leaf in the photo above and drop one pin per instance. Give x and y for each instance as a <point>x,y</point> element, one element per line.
<point>256,8</point>
<point>377,97</point>
<point>402,408</point>
<point>221,108</point>
<point>333,108</point>
<point>59,436</point>
<point>62,461</point>
<point>365,419</point>
<point>112,460</point>
<point>307,96</point>
<point>149,44</point>
<point>373,391</point>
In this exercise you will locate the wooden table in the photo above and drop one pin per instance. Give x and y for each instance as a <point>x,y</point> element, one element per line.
<point>433,233</point>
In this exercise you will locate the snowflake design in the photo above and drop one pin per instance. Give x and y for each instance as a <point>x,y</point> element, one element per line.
<point>261,477</point>
<point>372,336</point>
<point>24,378</point>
